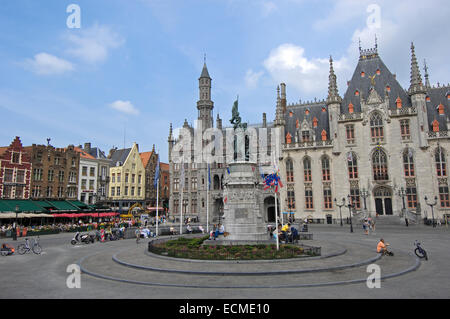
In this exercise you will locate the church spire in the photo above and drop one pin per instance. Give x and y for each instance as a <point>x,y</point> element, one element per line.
<point>333,94</point>
<point>416,79</point>
<point>427,80</point>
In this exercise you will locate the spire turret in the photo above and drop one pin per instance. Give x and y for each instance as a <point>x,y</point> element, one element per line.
<point>427,80</point>
<point>416,79</point>
<point>333,94</point>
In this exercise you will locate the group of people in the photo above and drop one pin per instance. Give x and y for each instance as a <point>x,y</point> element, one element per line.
<point>284,233</point>
<point>368,225</point>
<point>218,229</point>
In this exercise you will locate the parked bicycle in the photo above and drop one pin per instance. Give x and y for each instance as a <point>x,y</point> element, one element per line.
<point>419,251</point>
<point>25,248</point>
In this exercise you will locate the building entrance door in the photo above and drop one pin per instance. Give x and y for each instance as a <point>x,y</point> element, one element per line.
<point>383,200</point>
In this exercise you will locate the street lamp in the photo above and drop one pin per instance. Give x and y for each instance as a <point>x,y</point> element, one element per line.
<point>350,206</point>
<point>17,210</point>
<point>431,205</point>
<point>364,195</point>
<point>340,205</point>
<point>402,193</point>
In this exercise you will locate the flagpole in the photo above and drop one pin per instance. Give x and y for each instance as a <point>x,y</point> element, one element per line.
<point>276,220</point>
<point>207,207</point>
<point>181,213</point>
<point>157,206</point>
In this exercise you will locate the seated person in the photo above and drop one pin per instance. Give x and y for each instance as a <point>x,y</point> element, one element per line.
<point>189,228</point>
<point>294,234</point>
<point>221,229</point>
<point>201,229</point>
<point>382,247</point>
<point>285,231</point>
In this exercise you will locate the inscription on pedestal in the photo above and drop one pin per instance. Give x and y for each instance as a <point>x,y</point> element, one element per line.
<point>241,213</point>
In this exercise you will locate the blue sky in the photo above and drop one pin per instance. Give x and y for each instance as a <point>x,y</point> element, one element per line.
<point>133,65</point>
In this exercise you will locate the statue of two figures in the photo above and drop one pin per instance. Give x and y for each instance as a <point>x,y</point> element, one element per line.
<point>241,139</point>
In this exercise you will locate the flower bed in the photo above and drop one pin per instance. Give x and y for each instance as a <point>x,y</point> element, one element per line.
<point>192,248</point>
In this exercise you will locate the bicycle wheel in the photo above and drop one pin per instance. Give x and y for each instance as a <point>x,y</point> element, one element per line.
<point>21,249</point>
<point>419,253</point>
<point>37,249</point>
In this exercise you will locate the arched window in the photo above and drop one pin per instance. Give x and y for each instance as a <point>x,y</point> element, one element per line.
<point>441,166</point>
<point>289,171</point>
<point>307,169</point>
<point>352,165</point>
<point>379,165</point>
<point>291,200</point>
<point>325,168</point>
<point>376,127</point>
<point>408,163</point>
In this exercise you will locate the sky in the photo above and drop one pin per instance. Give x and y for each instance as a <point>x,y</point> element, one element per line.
<point>121,71</point>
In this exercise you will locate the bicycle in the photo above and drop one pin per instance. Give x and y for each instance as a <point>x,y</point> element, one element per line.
<point>419,251</point>
<point>25,248</point>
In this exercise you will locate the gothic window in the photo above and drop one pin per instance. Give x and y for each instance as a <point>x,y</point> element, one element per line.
<point>352,165</point>
<point>305,136</point>
<point>379,165</point>
<point>404,130</point>
<point>376,127</point>
<point>411,197</point>
<point>291,199</point>
<point>355,198</point>
<point>289,171</point>
<point>441,166</point>
<point>307,169</point>
<point>328,203</point>
<point>350,133</point>
<point>408,163</point>
<point>325,168</point>
<point>444,196</point>
<point>309,199</point>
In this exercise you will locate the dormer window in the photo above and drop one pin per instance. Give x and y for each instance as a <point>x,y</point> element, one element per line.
<point>399,103</point>
<point>291,114</point>
<point>324,135</point>
<point>307,112</point>
<point>441,109</point>
<point>378,72</point>
<point>288,138</point>
<point>363,74</point>
<point>435,126</point>
<point>388,88</point>
<point>296,123</point>
<point>428,99</point>
<point>356,93</point>
<point>305,136</point>
<point>324,108</point>
<point>350,108</point>
<point>315,122</point>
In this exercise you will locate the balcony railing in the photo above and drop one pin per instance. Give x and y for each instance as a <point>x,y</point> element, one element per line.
<point>312,144</point>
<point>404,111</point>
<point>350,117</point>
<point>440,134</point>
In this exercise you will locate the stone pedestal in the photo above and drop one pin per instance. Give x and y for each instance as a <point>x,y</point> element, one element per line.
<point>243,210</point>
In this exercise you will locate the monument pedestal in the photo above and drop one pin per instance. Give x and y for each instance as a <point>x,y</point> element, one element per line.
<point>243,218</point>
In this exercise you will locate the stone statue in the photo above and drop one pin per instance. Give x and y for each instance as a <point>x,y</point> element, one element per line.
<point>235,118</point>
<point>237,124</point>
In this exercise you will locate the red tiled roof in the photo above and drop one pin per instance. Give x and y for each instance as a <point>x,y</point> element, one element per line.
<point>3,149</point>
<point>83,154</point>
<point>145,157</point>
<point>164,166</point>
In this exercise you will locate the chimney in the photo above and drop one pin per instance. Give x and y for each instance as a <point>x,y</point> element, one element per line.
<point>264,120</point>
<point>87,147</point>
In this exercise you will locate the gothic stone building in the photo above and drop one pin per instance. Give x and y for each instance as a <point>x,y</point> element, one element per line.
<point>379,147</point>
<point>196,178</point>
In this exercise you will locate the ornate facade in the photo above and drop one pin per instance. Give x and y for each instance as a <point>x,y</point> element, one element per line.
<point>380,147</point>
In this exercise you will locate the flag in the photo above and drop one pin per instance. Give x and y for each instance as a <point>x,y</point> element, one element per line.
<point>228,170</point>
<point>155,182</point>
<point>350,157</point>
<point>225,199</point>
<point>209,177</point>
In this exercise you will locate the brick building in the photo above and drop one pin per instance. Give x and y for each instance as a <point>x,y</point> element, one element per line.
<point>54,173</point>
<point>15,171</point>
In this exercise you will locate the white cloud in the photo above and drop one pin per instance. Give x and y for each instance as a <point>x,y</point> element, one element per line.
<point>268,7</point>
<point>93,44</point>
<point>252,78</point>
<point>47,64</point>
<point>288,63</point>
<point>124,107</point>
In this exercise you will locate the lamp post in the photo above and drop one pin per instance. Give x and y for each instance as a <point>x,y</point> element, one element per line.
<point>17,210</point>
<point>340,205</point>
<point>364,195</point>
<point>431,205</point>
<point>350,206</point>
